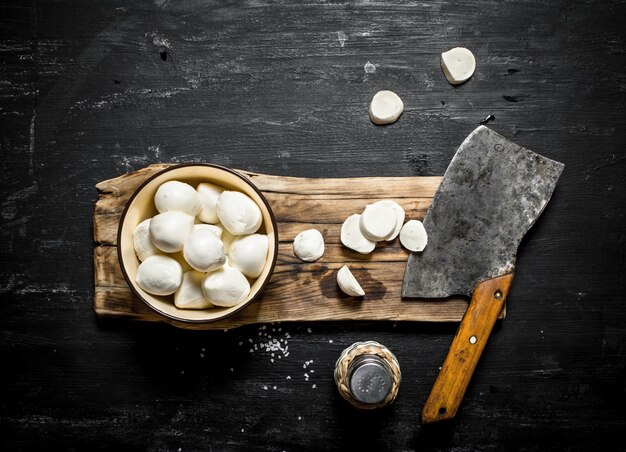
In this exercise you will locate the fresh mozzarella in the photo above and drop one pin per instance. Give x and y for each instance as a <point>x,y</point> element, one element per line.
<point>159,275</point>
<point>348,283</point>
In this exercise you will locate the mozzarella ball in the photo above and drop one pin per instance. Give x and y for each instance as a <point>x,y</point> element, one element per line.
<point>238,213</point>
<point>169,230</point>
<point>385,107</point>
<point>353,238</point>
<point>215,229</point>
<point>309,245</point>
<point>378,221</point>
<point>203,250</point>
<point>208,198</point>
<point>159,275</point>
<point>413,236</point>
<point>180,258</point>
<point>226,287</point>
<point>189,295</point>
<point>144,248</point>
<point>348,283</point>
<point>177,196</point>
<point>248,254</point>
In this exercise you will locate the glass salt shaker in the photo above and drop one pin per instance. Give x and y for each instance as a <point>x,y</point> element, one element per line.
<point>368,375</point>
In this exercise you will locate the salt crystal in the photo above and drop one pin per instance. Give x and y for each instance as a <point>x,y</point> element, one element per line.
<point>240,344</point>
<point>274,388</point>
<point>203,349</point>
<point>314,386</point>
<point>201,355</point>
<point>330,341</point>
<point>280,356</point>
<point>272,360</point>
<point>225,330</point>
<point>312,371</point>
<point>299,418</point>
<point>309,330</point>
<point>288,377</point>
<point>242,430</point>
<point>306,375</point>
<point>251,350</point>
<point>265,388</point>
<point>182,372</point>
<point>232,370</point>
<point>280,329</point>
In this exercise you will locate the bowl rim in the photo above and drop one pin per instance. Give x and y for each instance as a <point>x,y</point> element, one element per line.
<point>123,217</point>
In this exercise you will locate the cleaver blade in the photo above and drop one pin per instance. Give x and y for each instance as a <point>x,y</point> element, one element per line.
<point>491,194</point>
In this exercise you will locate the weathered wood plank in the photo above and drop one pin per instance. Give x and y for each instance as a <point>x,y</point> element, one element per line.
<point>297,290</point>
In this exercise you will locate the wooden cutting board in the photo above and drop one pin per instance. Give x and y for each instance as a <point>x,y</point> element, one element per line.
<point>297,291</point>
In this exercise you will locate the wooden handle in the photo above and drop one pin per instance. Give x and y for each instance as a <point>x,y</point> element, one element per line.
<point>467,346</point>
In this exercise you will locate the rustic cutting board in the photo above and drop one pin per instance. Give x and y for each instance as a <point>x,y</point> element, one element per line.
<point>297,291</point>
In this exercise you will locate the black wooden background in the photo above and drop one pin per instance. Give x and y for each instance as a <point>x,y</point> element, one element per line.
<point>92,89</point>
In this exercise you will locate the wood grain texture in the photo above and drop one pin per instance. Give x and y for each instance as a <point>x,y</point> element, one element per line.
<point>467,347</point>
<point>297,291</point>
<point>281,88</point>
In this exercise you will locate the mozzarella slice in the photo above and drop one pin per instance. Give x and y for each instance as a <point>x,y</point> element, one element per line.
<point>159,275</point>
<point>378,221</point>
<point>399,211</point>
<point>309,245</point>
<point>208,199</point>
<point>203,250</point>
<point>189,295</point>
<point>177,196</point>
<point>169,230</point>
<point>353,238</point>
<point>348,283</point>
<point>385,107</point>
<point>238,213</point>
<point>144,248</point>
<point>226,287</point>
<point>248,254</point>
<point>413,236</point>
<point>458,65</point>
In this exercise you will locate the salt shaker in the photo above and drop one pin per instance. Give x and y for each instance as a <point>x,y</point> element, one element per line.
<point>367,375</point>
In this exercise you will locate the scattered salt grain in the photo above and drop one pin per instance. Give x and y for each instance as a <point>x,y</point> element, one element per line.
<point>265,388</point>
<point>288,377</point>
<point>330,341</point>
<point>274,388</point>
<point>309,330</point>
<point>314,386</point>
<point>232,370</point>
<point>299,418</point>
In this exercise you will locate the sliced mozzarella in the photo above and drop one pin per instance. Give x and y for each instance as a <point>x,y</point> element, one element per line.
<point>203,250</point>
<point>413,236</point>
<point>177,196</point>
<point>385,107</point>
<point>353,238</point>
<point>378,221</point>
<point>309,245</point>
<point>348,283</point>
<point>144,248</point>
<point>458,65</point>
<point>189,295</point>
<point>169,230</point>
<point>208,198</point>
<point>238,213</point>
<point>159,275</point>
<point>397,208</point>
<point>248,254</point>
<point>226,287</point>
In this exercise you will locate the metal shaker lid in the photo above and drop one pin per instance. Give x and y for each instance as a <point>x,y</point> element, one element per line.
<point>370,379</point>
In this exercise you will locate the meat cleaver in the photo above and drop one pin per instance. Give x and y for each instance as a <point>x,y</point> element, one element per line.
<point>491,194</point>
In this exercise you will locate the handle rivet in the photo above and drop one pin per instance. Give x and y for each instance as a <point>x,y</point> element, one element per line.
<point>473,340</point>
<point>497,294</point>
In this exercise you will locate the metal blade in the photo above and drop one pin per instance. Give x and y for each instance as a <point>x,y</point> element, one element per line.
<point>491,194</point>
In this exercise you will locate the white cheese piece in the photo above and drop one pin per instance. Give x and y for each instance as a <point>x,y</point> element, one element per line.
<point>144,248</point>
<point>353,238</point>
<point>238,213</point>
<point>177,196</point>
<point>309,245</point>
<point>385,107</point>
<point>378,221</point>
<point>169,230</point>
<point>348,283</point>
<point>203,250</point>
<point>159,275</point>
<point>228,239</point>
<point>208,198</point>
<point>189,295</point>
<point>397,208</point>
<point>214,228</point>
<point>248,254</point>
<point>458,65</point>
<point>413,236</point>
<point>226,287</point>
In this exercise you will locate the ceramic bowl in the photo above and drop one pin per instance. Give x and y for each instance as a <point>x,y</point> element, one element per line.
<point>141,206</point>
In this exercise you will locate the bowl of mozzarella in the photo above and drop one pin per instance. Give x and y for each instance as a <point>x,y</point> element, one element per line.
<point>197,242</point>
